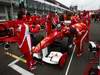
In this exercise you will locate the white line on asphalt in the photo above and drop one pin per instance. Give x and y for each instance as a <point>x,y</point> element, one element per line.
<point>18,68</point>
<point>15,61</point>
<point>70,61</point>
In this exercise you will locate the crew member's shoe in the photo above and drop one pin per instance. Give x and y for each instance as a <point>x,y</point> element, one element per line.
<point>32,65</point>
<point>79,54</point>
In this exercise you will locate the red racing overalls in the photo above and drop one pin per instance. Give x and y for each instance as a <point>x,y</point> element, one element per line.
<point>82,32</point>
<point>24,43</point>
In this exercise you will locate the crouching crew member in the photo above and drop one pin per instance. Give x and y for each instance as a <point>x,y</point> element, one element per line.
<point>80,37</point>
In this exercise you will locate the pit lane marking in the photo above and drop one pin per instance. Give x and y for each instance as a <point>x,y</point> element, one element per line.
<point>20,69</point>
<point>67,70</point>
<point>17,68</point>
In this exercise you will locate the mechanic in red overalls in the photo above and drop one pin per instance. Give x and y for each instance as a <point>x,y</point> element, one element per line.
<point>55,19</point>
<point>86,20</point>
<point>75,19</point>
<point>82,32</point>
<point>48,23</point>
<point>24,39</point>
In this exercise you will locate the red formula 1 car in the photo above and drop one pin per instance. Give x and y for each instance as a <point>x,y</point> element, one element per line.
<point>7,34</point>
<point>55,56</point>
<point>53,50</point>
